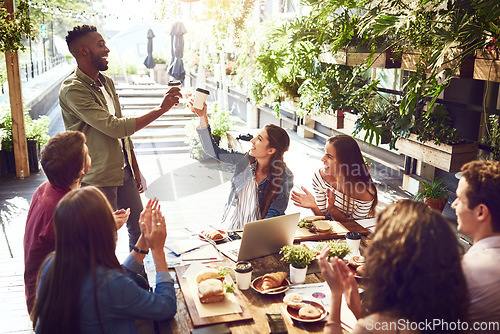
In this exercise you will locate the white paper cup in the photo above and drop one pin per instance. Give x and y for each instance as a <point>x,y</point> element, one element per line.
<point>200,96</point>
<point>353,240</point>
<point>243,273</point>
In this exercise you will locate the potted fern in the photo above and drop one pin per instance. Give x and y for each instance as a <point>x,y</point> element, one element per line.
<point>433,193</point>
<point>299,257</point>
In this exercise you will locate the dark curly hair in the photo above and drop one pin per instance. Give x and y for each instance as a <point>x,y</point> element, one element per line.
<point>78,32</point>
<point>483,187</point>
<point>413,266</point>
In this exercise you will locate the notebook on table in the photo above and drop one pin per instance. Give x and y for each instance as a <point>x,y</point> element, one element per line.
<point>262,237</point>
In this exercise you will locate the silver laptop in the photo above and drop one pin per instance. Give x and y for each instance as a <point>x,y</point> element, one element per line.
<point>262,237</point>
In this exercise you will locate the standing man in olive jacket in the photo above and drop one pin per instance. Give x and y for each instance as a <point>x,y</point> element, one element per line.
<point>89,104</point>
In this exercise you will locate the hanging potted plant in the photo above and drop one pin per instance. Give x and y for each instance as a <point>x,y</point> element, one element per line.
<point>299,257</point>
<point>433,193</point>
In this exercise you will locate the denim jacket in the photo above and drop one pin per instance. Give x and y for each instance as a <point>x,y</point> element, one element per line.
<point>243,166</point>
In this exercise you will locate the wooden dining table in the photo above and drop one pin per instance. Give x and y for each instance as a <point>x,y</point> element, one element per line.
<point>255,304</point>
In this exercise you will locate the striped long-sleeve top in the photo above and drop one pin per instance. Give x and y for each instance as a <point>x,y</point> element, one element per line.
<point>358,209</point>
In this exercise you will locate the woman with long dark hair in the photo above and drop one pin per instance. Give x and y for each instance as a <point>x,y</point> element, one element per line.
<point>261,184</point>
<point>413,276</point>
<point>83,288</point>
<point>343,188</point>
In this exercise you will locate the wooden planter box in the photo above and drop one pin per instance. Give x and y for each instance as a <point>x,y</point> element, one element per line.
<point>331,121</point>
<point>449,158</point>
<point>34,157</point>
<point>465,71</point>
<point>487,66</point>
<point>350,57</point>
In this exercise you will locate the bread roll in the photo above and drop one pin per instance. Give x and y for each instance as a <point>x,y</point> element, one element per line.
<point>309,312</point>
<point>356,261</point>
<point>209,273</point>
<point>294,300</point>
<point>273,280</point>
<point>211,291</point>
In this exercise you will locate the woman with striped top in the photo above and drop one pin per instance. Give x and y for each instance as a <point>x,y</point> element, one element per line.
<point>343,187</point>
<point>261,184</point>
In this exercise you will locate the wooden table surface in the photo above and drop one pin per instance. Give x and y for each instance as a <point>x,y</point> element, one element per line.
<point>258,304</point>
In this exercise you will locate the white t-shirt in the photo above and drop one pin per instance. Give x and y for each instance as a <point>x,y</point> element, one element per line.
<point>482,271</point>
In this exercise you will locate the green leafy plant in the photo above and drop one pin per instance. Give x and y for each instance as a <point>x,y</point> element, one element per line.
<point>14,27</point>
<point>35,129</point>
<point>337,248</point>
<point>220,123</point>
<point>493,137</point>
<point>297,255</point>
<point>432,189</point>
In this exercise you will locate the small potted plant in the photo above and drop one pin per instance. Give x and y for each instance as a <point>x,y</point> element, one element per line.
<point>299,257</point>
<point>434,193</point>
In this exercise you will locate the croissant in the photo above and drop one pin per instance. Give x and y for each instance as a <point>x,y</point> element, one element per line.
<point>273,280</point>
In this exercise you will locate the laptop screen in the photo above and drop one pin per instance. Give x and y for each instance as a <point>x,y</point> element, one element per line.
<point>262,237</point>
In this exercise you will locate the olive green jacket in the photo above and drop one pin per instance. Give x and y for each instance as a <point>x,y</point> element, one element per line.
<point>84,109</point>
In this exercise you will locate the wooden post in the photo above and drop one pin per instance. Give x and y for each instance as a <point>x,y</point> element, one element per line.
<point>16,106</point>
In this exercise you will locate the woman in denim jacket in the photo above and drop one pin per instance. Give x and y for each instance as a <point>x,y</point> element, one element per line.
<point>261,184</point>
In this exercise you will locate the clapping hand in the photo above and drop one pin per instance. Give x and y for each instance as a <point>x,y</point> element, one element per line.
<point>153,226</point>
<point>121,217</point>
<point>305,200</point>
<point>340,280</point>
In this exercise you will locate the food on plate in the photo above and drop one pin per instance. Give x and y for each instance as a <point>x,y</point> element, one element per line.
<point>309,312</point>
<point>356,261</point>
<point>322,226</point>
<point>307,221</point>
<point>294,300</point>
<point>361,271</point>
<point>213,234</point>
<point>273,280</point>
<point>211,291</point>
<point>209,273</point>
<point>337,248</point>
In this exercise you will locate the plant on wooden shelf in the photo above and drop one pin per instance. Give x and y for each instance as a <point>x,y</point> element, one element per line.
<point>433,193</point>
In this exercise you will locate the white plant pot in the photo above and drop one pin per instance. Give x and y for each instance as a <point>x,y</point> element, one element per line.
<point>297,275</point>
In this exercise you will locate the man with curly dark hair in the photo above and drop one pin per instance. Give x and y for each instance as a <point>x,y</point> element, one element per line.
<point>478,215</point>
<point>89,104</point>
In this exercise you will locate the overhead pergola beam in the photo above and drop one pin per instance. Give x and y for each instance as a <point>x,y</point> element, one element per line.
<point>16,106</point>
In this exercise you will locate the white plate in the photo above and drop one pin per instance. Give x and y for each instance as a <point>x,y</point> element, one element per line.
<point>294,313</point>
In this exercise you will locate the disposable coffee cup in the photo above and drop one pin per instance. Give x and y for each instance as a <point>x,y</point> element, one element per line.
<point>353,240</point>
<point>200,96</point>
<point>243,272</point>
<point>174,83</point>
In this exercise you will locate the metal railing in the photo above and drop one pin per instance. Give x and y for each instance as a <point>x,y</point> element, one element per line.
<point>32,69</point>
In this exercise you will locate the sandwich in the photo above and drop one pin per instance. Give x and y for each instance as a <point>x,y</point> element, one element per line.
<point>213,234</point>
<point>210,273</point>
<point>211,291</point>
<point>322,226</point>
